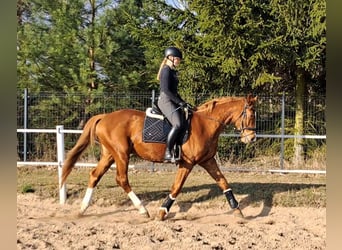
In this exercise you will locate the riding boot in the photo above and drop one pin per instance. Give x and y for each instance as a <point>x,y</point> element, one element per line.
<point>170,142</point>
<point>168,155</point>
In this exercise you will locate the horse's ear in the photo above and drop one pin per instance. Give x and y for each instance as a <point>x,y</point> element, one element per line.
<point>212,105</point>
<point>251,100</point>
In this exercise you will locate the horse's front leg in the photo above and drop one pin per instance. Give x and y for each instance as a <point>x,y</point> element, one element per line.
<point>211,167</point>
<point>183,172</point>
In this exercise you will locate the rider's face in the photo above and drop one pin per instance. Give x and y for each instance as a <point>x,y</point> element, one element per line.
<point>176,61</point>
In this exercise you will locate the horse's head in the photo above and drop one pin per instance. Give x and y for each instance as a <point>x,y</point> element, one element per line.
<point>246,122</point>
<point>232,110</point>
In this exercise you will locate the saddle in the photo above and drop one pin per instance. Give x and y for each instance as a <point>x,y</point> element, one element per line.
<point>157,127</point>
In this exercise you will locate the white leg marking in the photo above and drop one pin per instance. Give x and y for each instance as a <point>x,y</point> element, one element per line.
<point>225,191</point>
<point>86,200</point>
<point>137,202</point>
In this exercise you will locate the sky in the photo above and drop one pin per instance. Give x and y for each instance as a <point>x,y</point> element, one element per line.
<point>176,3</point>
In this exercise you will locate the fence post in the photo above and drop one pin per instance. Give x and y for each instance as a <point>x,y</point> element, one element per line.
<point>153,97</point>
<point>60,159</point>
<point>282,131</point>
<point>25,123</point>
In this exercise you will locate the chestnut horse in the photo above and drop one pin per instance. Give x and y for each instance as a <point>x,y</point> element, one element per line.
<point>120,133</point>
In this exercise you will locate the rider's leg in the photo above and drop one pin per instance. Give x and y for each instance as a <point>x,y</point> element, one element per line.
<point>170,142</point>
<point>174,116</point>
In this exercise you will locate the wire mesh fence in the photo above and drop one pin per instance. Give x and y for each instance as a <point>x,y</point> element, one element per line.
<point>275,115</point>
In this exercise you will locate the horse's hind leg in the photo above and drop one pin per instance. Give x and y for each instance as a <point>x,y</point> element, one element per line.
<point>211,167</point>
<point>95,176</point>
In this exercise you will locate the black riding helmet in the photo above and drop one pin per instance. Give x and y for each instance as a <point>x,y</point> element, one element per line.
<point>173,51</point>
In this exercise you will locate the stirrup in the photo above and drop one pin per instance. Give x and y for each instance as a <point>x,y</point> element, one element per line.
<point>177,152</point>
<point>169,157</point>
<point>170,160</point>
<point>175,155</point>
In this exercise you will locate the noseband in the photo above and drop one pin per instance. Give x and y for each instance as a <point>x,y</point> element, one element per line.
<point>243,116</point>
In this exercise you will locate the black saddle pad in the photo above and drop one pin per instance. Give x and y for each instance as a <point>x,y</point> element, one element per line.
<point>156,130</point>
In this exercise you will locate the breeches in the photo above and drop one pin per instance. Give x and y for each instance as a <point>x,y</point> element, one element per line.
<point>172,112</point>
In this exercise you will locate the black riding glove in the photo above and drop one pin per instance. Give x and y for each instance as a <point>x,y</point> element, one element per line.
<point>191,107</point>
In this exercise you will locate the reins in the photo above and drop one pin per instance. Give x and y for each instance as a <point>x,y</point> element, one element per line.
<point>212,119</point>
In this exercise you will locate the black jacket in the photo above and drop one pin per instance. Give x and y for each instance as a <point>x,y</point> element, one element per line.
<point>169,84</point>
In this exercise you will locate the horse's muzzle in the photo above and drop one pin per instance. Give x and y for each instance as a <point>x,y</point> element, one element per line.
<point>248,138</point>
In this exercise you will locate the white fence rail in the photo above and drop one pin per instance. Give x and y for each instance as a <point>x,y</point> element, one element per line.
<point>60,131</point>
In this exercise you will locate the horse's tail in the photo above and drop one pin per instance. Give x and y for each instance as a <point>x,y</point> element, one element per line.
<point>87,137</point>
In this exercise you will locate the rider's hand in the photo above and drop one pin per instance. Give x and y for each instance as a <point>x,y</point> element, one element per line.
<point>191,107</point>
<point>182,104</point>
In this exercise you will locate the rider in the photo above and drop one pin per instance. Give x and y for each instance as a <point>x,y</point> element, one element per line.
<point>170,102</point>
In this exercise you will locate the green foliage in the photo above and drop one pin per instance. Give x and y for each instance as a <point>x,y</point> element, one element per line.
<point>73,45</point>
<point>243,46</point>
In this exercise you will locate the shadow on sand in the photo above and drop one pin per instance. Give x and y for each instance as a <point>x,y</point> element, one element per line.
<point>253,193</point>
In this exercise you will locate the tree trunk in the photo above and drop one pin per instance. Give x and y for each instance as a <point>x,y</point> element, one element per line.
<point>92,72</point>
<point>298,157</point>
<point>92,46</point>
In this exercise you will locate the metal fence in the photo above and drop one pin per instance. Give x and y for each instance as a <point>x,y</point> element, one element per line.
<point>275,123</point>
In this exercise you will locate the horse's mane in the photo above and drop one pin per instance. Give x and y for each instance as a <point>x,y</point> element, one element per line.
<point>209,105</point>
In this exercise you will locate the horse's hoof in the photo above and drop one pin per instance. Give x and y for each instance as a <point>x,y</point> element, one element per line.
<point>237,213</point>
<point>161,215</point>
<point>83,208</point>
<point>145,214</point>
<point>79,214</point>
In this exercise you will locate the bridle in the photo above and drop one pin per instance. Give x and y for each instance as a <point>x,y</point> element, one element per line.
<point>243,116</point>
